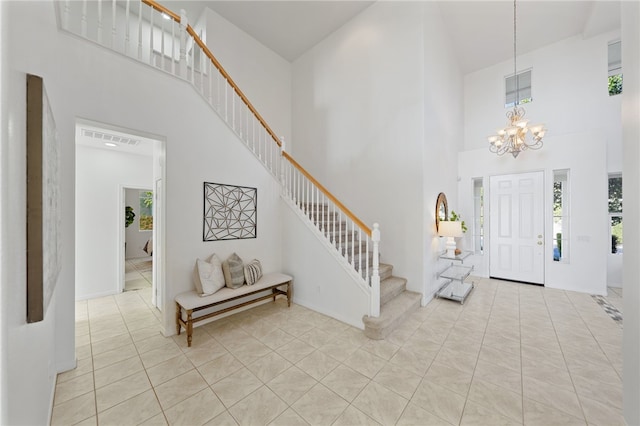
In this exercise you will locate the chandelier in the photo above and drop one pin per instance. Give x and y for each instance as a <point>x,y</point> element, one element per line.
<point>517,136</point>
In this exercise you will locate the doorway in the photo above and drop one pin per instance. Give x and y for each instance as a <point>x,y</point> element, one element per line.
<point>517,227</point>
<point>109,159</point>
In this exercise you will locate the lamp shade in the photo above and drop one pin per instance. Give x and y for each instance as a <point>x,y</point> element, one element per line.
<point>448,228</point>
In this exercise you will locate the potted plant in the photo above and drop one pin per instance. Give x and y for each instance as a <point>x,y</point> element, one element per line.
<point>455,217</point>
<point>129,216</point>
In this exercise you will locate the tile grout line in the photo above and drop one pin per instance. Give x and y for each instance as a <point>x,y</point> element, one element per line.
<point>484,334</point>
<point>575,389</point>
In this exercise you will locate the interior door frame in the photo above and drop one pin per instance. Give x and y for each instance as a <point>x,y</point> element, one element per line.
<point>488,233</point>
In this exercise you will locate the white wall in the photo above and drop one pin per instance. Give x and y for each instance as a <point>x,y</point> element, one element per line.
<point>570,95</point>
<point>320,282</point>
<point>631,187</point>
<point>29,356</point>
<point>443,94</point>
<point>586,270</point>
<point>30,353</point>
<point>134,237</point>
<point>262,75</point>
<point>100,176</point>
<point>84,80</point>
<point>569,90</point>
<point>375,106</point>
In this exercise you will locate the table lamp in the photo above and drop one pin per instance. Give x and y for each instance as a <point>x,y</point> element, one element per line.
<point>450,229</point>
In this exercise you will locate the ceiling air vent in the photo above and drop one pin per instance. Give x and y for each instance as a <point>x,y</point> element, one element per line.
<point>108,137</point>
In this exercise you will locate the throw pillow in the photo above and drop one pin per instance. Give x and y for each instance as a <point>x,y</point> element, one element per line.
<point>209,276</point>
<point>252,272</point>
<point>233,270</point>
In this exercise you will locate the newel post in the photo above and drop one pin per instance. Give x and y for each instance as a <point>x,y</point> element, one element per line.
<point>183,43</point>
<point>375,274</point>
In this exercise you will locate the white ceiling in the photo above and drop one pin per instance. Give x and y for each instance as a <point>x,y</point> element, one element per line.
<point>481,31</point>
<point>289,28</point>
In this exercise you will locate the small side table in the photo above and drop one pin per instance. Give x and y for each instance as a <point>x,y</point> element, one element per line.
<point>455,288</point>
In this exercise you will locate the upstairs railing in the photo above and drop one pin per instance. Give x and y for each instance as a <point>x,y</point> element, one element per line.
<point>150,33</point>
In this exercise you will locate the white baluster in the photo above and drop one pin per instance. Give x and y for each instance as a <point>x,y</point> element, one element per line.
<point>374,310</point>
<point>353,242</point>
<point>83,22</point>
<point>151,37</point>
<point>202,73</point>
<point>113,24</point>
<point>173,47</point>
<point>162,55</point>
<point>183,43</point>
<point>296,188</point>
<point>282,177</point>
<point>333,223</point>
<point>226,101</point>
<point>360,251</point>
<point>127,30</point>
<point>307,198</point>
<point>99,21</point>
<point>65,15</point>
<point>323,225</point>
<point>210,74</point>
<point>313,210</point>
<point>340,232</point>
<point>233,112</point>
<point>366,274</point>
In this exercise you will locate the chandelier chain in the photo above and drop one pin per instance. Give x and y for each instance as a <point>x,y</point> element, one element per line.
<point>518,135</point>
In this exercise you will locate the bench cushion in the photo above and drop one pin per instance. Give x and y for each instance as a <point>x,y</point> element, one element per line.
<point>191,300</point>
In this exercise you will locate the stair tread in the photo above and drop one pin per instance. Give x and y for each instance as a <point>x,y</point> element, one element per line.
<point>391,287</point>
<point>393,310</point>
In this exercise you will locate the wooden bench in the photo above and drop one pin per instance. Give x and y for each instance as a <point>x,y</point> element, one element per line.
<point>191,302</point>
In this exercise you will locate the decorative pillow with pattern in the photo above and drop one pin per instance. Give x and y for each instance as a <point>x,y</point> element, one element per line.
<point>233,270</point>
<point>252,272</point>
<point>208,276</point>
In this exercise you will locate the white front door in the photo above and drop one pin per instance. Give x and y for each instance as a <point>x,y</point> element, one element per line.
<point>517,227</point>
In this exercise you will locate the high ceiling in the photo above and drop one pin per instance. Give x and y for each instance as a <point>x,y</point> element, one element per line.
<point>481,31</point>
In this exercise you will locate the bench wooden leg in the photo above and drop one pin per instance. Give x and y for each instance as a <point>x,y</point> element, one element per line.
<point>289,294</point>
<point>274,291</point>
<point>189,328</point>
<point>178,318</point>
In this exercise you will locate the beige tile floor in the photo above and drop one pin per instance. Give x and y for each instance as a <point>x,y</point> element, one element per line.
<point>614,297</point>
<point>512,354</point>
<point>138,273</point>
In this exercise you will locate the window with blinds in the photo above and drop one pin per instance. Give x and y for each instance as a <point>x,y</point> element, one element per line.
<point>519,86</point>
<point>615,68</point>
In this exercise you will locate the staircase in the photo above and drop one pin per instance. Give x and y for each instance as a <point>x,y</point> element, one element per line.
<point>396,302</point>
<point>148,32</point>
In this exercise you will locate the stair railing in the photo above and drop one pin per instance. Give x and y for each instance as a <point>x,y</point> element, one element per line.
<point>164,40</point>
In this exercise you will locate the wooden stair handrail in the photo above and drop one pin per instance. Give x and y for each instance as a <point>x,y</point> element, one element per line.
<point>217,64</point>
<point>205,49</point>
<point>329,195</point>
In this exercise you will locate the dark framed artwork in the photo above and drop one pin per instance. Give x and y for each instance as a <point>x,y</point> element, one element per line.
<point>230,212</point>
<point>44,247</point>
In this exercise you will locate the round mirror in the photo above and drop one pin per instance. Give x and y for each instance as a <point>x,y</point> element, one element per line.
<point>442,209</point>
